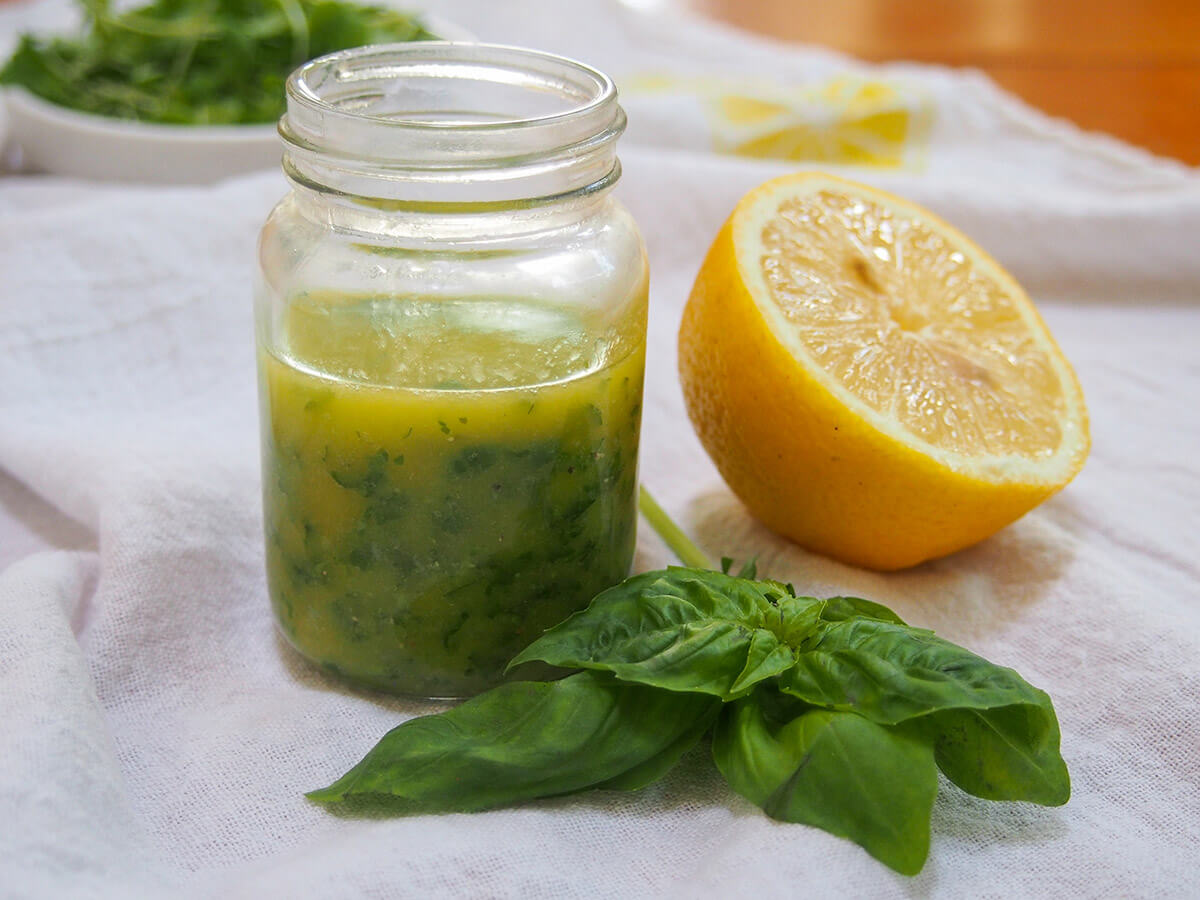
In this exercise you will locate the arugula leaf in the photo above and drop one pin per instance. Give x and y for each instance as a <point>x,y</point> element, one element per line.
<point>198,62</point>
<point>529,739</point>
<point>684,630</point>
<point>837,771</point>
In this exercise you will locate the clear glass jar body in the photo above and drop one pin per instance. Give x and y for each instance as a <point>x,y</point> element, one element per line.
<point>450,360</point>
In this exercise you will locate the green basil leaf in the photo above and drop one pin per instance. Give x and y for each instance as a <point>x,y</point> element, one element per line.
<point>1010,753</point>
<point>681,629</point>
<point>747,751</point>
<point>529,739</point>
<point>836,771</point>
<point>890,673</point>
<point>659,765</point>
<point>749,569</point>
<point>994,734</point>
<point>837,609</point>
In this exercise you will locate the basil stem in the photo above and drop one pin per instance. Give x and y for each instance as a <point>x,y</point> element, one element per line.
<point>681,545</point>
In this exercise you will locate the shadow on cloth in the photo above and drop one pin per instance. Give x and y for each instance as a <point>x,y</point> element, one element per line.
<point>41,518</point>
<point>312,676</point>
<point>316,677</point>
<point>976,823</point>
<point>971,593</point>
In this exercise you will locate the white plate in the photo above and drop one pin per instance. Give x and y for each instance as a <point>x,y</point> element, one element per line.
<point>64,141</point>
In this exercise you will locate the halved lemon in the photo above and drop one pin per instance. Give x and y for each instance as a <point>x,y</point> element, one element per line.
<point>870,382</point>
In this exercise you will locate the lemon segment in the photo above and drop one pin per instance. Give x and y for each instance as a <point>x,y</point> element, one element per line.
<point>870,382</point>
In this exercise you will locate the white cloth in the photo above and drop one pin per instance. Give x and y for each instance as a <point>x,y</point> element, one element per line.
<point>157,736</point>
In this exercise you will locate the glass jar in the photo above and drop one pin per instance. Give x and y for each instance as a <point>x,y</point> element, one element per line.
<point>451,322</point>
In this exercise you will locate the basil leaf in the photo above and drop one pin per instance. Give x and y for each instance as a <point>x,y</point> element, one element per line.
<point>994,734</point>
<point>837,609</point>
<point>836,771</point>
<point>749,568</point>
<point>659,765</point>
<point>1010,753</point>
<point>529,739</point>
<point>683,629</point>
<point>747,751</point>
<point>890,673</point>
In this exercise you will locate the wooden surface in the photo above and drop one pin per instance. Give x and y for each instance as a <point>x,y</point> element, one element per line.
<point>1127,67</point>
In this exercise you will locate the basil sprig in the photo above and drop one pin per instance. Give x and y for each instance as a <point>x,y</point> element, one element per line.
<point>828,712</point>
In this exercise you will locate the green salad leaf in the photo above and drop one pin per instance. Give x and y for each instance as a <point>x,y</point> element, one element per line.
<point>832,713</point>
<point>196,62</point>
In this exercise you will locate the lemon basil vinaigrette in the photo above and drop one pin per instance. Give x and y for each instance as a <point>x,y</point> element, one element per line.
<point>443,480</point>
<point>451,322</point>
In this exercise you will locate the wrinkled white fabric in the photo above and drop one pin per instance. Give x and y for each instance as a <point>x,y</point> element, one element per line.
<point>158,736</point>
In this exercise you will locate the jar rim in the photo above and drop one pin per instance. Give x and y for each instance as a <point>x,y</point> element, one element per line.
<point>451,122</point>
<point>343,63</point>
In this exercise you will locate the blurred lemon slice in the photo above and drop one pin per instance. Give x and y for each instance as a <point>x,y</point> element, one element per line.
<point>846,121</point>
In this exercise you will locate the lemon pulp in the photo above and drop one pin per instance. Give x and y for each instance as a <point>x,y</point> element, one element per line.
<point>912,326</point>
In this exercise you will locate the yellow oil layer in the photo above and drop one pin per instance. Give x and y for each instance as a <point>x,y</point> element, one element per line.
<point>418,538</point>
